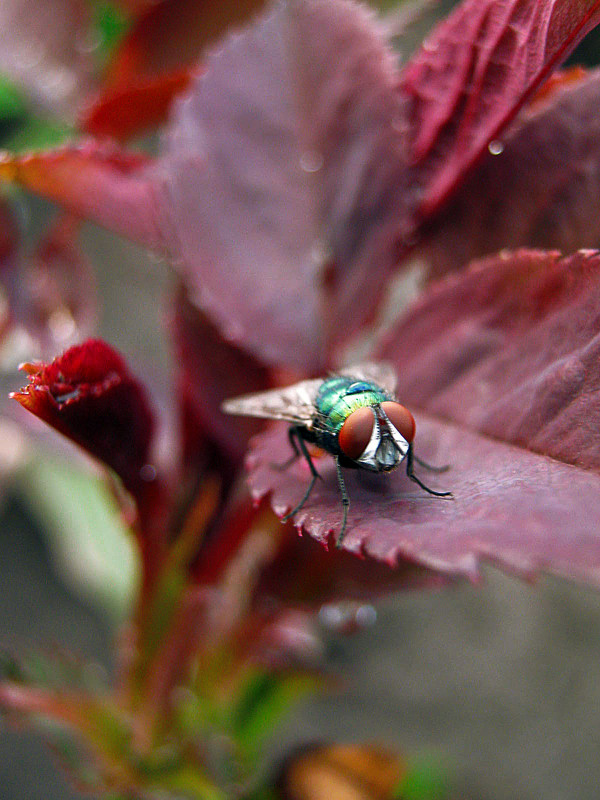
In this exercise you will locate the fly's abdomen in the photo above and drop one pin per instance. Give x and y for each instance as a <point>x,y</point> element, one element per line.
<point>337,398</point>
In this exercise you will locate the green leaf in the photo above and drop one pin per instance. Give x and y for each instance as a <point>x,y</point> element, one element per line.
<point>111,25</point>
<point>425,779</point>
<point>266,698</point>
<point>94,550</point>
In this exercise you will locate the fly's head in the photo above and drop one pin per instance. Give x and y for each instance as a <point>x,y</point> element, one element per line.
<point>377,437</point>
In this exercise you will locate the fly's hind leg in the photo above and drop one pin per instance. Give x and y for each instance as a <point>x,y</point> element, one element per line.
<point>410,458</point>
<point>294,432</point>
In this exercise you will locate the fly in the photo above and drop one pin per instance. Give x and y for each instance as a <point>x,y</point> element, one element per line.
<point>354,415</point>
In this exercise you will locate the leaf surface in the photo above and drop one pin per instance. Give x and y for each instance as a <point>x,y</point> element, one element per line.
<point>284,183</point>
<point>473,74</point>
<point>511,507</point>
<point>506,356</point>
<point>211,370</point>
<point>541,189</point>
<point>510,348</point>
<point>96,181</point>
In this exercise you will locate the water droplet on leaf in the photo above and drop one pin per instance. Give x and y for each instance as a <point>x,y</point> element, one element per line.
<point>311,161</point>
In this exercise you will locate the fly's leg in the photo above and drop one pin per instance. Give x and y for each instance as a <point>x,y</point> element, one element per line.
<point>409,471</point>
<point>430,467</point>
<point>345,501</point>
<point>303,449</point>
<point>292,433</point>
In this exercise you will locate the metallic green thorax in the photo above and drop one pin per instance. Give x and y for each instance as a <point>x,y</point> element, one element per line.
<point>338,397</point>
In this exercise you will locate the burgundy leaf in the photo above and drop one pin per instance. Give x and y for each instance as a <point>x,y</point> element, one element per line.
<point>541,188</point>
<point>284,179</point>
<point>473,74</point>
<point>89,395</point>
<point>518,509</point>
<point>507,351</point>
<point>510,348</point>
<point>211,370</point>
<point>45,46</point>
<point>97,181</point>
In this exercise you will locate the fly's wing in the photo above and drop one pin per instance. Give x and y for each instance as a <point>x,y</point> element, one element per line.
<point>380,373</point>
<point>294,403</point>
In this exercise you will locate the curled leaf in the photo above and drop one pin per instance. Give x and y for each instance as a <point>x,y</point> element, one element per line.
<point>89,395</point>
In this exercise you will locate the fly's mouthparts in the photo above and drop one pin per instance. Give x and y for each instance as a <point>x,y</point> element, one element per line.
<point>387,454</point>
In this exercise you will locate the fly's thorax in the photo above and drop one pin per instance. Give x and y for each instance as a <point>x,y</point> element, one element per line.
<point>338,397</point>
<point>354,424</point>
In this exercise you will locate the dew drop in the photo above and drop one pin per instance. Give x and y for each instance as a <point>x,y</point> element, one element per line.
<point>321,252</point>
<point>311,161</point>
<point>148,473</point>
<point>87,42</point>
<point>429,46</point>
<point>28,56</point>
<point>495,147</point>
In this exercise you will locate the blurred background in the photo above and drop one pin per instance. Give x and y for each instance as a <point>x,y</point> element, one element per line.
<point>498,683</point>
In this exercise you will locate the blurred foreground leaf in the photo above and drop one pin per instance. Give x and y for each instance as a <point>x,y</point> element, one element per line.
<point>91,546</point>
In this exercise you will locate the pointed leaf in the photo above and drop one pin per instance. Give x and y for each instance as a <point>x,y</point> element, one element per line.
<point>541,188</point>
<point>515,508</point>
<point>89,395</point>
<point>99,182</point>
<point>473,74</point>
<point>284,179</point>
<point>509,349</point>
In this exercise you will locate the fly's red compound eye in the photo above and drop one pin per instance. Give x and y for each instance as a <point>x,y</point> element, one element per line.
<point>401,419</point>
<point>356,432</point>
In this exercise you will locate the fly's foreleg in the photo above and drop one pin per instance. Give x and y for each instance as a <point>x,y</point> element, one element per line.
<point>345,502</point>
<point>410,458</point>
<point>430,467</point>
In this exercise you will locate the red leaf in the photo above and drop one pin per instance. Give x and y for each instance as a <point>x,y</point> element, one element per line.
<point>284,179</point>
<point>156,61</point>
<point>518,509</point>
<point>124,112</point>
<point>542,189</point>
<point>171,34</point>
<point>508,349</point>
<point>474,73</point>
<point>99,182</point>
<point>89,395</point>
